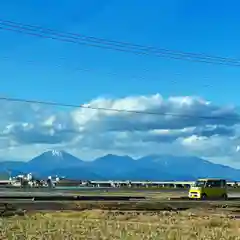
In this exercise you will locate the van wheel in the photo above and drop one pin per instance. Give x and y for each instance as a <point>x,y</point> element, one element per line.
<point>204,196</point>
<point>225,196</point>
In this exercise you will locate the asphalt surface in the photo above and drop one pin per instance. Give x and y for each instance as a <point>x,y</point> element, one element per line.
<point>81,191</point>
<point>64,192</point>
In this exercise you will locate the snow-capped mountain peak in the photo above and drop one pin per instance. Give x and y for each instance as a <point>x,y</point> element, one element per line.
<point>56,153</point>
<point>53,159</point>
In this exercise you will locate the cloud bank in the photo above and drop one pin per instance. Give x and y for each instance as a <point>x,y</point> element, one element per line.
<point>186,125</point>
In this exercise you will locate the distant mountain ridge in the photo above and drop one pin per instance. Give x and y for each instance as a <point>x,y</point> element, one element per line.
<point>53,159</point>
<point>113,167</point>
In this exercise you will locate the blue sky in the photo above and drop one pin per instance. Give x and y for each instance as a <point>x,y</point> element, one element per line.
<point>201,26</point>
<point>49,70</point>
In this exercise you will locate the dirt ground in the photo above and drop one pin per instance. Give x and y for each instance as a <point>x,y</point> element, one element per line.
<point>100,224</point>
<point>156,218</point>
<point>127,221</point>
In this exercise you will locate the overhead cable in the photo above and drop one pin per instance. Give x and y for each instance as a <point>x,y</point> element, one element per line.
<point>212,117</point>
<point>113,45</point>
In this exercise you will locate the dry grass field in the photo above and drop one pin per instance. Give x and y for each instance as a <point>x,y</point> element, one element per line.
<point>155,218</point>
<point>108,224</point>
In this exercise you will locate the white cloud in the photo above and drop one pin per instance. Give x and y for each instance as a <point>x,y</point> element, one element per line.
<point>26,130</point>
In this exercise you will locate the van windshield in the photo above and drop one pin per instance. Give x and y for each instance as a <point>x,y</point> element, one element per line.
<point>199,184</point>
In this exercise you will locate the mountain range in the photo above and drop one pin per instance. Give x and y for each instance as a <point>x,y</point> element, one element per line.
<point>113,167</point>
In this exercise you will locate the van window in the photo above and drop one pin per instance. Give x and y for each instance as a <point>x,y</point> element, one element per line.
<point>223,183</point>
<point>199,183</point>
<point>214,183</point>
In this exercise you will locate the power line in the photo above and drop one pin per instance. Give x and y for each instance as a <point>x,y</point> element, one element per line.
<point>114,45</point>
<point>21,30</point>
<point>119,110</point>
<point>73,40</point>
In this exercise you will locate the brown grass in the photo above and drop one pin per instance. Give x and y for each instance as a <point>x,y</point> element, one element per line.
<point>102,224</point>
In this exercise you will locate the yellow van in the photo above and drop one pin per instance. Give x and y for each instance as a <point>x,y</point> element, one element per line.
<point>209,189</point>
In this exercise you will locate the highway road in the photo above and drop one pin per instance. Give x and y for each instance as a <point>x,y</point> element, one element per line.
<point>5,192</point>
<point>82,190</point>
